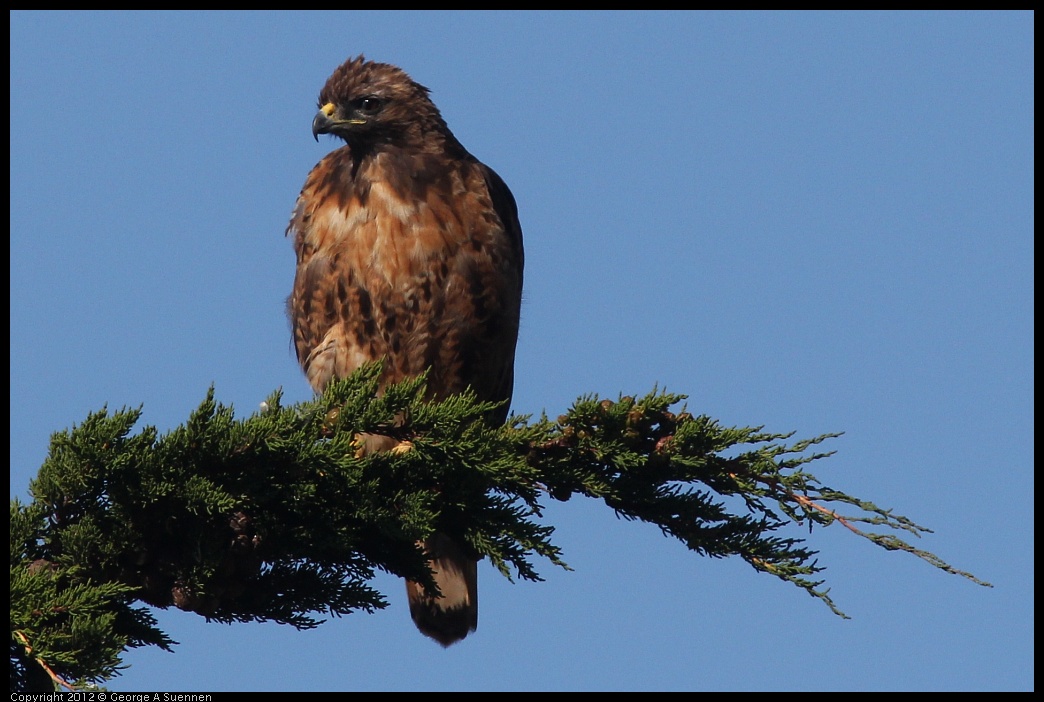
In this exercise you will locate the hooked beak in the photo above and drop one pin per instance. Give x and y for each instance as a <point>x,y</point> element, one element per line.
<point>323,122</point>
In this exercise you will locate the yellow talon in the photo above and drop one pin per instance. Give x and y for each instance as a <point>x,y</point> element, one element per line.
<point>359,442</point>
<point>402,447</point>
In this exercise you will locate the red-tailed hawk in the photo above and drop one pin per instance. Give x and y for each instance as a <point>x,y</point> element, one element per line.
<point>408,249</point>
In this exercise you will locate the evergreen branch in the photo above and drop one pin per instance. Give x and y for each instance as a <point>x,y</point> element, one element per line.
<point>59,682</point>
<point>279,516</point>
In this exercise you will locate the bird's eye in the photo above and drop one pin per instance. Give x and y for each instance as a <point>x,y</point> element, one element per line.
<point>368,105</point>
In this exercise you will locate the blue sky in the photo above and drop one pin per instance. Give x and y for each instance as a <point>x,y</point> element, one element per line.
<point>812,222</point>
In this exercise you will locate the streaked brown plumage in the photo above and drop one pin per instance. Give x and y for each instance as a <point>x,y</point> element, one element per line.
<point>408,249</point>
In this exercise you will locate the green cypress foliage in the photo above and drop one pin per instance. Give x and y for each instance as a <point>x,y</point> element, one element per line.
<point>279,516</point>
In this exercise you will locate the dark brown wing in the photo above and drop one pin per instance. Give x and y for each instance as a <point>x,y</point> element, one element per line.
<point>501,386</point>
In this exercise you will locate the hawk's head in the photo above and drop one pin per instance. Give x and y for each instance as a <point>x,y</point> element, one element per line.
<point>368,104</point>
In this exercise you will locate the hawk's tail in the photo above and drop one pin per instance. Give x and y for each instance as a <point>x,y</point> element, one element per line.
<point>453,616</point>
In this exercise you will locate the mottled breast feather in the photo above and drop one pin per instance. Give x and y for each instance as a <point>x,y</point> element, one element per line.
<point>423,272</point>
